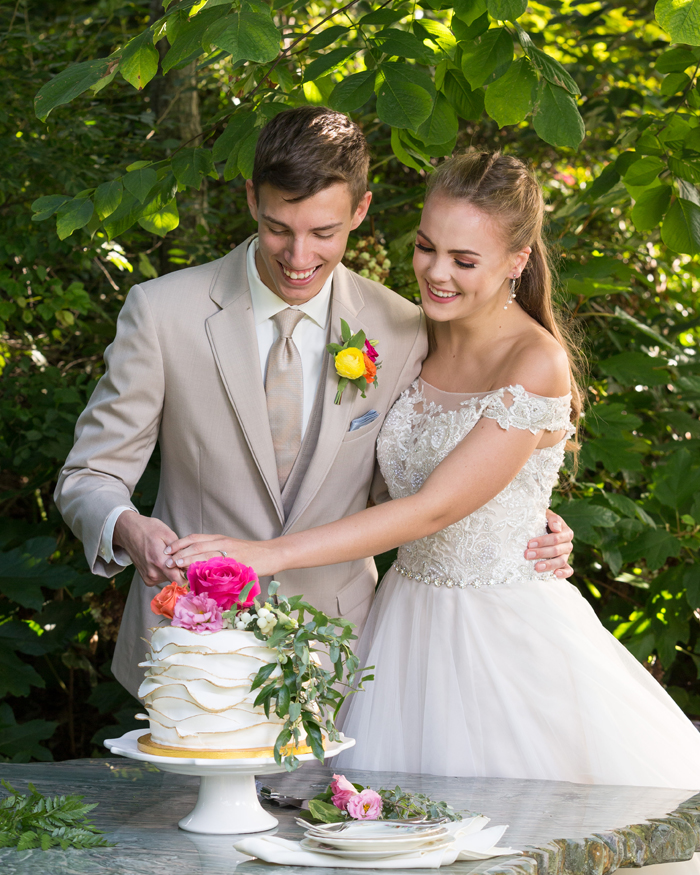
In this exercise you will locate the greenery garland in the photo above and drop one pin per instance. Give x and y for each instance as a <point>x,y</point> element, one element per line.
<point>306,694</point>
<point>397,804</point>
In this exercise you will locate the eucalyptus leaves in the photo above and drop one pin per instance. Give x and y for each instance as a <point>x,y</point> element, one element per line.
<point>305,693</point>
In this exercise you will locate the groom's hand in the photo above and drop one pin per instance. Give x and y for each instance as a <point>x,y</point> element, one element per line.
<point>551,552</point>
<point>144,539</point>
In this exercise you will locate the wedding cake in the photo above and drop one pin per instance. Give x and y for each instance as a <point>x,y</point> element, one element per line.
<point>197,691</point>
<point>221,639</point>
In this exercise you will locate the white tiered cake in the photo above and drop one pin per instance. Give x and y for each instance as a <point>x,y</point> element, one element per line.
<point>197,694</point>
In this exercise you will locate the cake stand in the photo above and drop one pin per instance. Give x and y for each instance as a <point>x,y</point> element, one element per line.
<point>228,802</point>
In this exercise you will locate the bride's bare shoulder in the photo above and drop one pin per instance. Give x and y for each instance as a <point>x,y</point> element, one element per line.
<point>539,363</point>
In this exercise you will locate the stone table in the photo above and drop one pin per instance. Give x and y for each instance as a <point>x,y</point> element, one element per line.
<point>562,828</point>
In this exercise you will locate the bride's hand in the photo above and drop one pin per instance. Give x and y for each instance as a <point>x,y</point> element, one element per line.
<point>198,548</point>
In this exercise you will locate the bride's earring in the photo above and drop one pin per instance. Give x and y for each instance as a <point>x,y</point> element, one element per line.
<point>511,295</point>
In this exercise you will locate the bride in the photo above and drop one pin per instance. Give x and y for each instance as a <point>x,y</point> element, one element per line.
<point>483,667</point>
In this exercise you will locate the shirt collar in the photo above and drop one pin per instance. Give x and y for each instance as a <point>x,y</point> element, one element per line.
<point>267,304</point>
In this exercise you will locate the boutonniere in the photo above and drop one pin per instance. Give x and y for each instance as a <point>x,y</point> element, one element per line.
<point>355,360</point>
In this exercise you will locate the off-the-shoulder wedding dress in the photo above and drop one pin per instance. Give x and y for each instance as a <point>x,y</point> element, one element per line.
<point>484,667</point>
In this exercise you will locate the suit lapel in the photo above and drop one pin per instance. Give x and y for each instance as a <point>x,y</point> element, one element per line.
<point>234,343</point>
<point>347,303</point>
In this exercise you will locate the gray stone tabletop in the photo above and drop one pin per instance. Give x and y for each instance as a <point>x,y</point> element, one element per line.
<point>561,828</point>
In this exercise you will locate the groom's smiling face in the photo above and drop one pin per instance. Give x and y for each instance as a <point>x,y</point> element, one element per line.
<point>300,242</point>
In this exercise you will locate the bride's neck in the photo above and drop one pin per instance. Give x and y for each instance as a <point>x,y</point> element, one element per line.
<point>476,333</point>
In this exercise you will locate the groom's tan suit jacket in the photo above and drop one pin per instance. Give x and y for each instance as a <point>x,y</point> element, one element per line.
<point>184,370</point>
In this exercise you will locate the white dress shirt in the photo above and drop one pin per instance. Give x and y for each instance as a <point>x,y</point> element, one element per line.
<point>310,339</point>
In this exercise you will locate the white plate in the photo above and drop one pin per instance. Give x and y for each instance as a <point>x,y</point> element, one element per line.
<point>376,829</point>
<point>397,844</point>
<point>318,847</point>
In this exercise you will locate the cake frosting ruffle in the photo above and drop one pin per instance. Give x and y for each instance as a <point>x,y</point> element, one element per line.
<point>197,690</point>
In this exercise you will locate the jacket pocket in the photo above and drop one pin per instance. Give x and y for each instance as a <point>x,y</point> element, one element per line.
<point>356,591</point>
<point>372,427</point>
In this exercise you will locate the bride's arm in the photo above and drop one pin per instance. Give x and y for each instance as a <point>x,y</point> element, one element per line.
<point>480,467</point>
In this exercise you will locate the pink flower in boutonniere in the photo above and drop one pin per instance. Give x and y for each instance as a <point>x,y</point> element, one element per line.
<point>366,805</point>
<point>342,791</point>
<point>355,360</point>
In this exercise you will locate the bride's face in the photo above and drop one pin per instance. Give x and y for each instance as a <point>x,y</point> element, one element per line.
<point>461,261</point>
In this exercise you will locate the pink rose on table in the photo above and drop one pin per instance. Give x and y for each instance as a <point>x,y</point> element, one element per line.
<point>197,613</point>
<point>366,805</point>
<point>342,791</point>
<point>223,580</point>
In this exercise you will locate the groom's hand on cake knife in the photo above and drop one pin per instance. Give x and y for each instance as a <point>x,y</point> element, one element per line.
<point>144,538</point>
<point>551,552</point>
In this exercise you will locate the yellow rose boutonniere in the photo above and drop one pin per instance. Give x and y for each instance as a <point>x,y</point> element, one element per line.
<point>350,363</point>
<point>355,360</point>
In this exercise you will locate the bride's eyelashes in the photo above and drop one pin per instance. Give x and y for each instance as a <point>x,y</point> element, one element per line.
<point>457,261</point>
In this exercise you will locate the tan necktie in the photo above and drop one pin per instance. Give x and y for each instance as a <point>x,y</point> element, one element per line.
<point>284,388</point>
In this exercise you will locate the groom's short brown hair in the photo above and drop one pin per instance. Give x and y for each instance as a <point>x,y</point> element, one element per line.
<point>304,150</point>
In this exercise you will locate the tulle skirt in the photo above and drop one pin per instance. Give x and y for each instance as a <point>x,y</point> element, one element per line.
<point>513,681</point>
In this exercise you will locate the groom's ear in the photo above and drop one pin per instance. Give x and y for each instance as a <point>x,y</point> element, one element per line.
<point>252,200</point>
<point>361,210</point>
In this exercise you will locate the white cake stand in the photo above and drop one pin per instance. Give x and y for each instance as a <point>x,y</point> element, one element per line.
<point>227,803</point>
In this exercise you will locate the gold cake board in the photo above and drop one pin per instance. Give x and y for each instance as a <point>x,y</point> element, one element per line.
<point>147,745</point>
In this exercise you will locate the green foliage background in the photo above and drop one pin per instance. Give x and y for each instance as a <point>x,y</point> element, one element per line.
<point>135,166</point>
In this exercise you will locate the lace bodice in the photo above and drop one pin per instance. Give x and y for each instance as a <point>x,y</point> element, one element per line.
<point>486,547</point>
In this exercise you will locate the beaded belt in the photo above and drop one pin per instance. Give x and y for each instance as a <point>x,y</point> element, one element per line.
<point>432,580</point>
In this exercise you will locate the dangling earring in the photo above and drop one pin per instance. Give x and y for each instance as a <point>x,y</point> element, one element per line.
<point>511,296</point>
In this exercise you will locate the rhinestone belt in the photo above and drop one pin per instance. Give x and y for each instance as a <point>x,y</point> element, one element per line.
<point>432,580</point>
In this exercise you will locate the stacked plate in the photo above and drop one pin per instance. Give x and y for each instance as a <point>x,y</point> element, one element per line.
<point>375,839</point>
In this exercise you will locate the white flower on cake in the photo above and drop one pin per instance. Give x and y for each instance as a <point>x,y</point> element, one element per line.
<point>266,620</point>
<point>242,621</point>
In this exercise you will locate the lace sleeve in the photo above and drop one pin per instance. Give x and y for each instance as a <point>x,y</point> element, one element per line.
<point>528,411</point>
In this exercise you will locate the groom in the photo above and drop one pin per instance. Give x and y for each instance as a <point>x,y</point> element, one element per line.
<point>225,366</point>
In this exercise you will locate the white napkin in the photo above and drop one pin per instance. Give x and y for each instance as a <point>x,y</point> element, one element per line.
<point>471,842</point>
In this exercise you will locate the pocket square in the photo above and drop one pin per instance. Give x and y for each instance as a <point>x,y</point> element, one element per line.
<point>365,419</point>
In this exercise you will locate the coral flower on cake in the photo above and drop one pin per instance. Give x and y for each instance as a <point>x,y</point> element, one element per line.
<point>223,579</point>
<point>198,613</point>
<point>164,602</point>
<point>366,805</point>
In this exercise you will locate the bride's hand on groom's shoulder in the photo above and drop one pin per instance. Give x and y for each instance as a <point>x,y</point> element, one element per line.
<point>551,552</point>
<point>181,553</point>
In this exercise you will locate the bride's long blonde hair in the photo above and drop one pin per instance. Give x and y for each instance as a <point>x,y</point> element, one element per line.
<point>505,189</point>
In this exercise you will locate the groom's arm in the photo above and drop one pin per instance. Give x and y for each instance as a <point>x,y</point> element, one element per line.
<point>115,436</point>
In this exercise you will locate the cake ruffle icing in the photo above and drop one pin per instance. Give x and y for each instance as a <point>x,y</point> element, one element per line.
<point>197,690</point>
